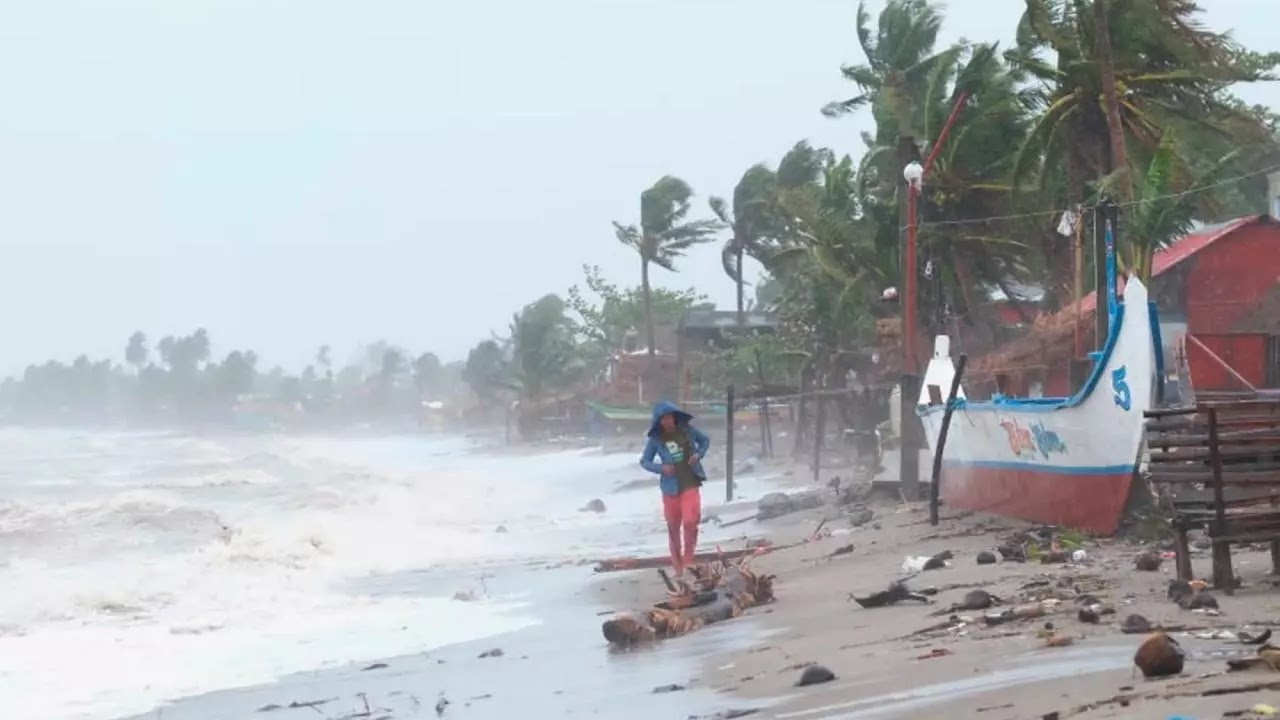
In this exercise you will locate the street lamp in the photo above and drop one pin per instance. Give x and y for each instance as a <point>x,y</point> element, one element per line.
<point>913,173</point>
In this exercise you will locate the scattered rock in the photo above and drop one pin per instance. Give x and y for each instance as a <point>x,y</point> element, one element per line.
<point>861,517</point>
<point>595,506</point>
<point>494,653</point>
<point>772,505</point>
<point>465,596</point>
<point>1135,624</point>
<point>815,675</point>
<point>1159,656</point>
<point>375,666</point>
<point>1088,615</point>
<point>441,705</point>
<point>1054,557</point>
<point>986,557</point>
<point>667,689</point>
<point>1148,561</point>
<point>501,529</point>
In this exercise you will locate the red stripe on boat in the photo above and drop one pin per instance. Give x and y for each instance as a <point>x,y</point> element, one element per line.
<point>1086,502</point>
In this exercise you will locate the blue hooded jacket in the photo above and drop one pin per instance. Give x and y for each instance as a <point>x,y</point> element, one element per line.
<point>655,449</point>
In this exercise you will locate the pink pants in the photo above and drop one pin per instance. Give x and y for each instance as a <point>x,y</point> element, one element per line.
<point>683,513</point>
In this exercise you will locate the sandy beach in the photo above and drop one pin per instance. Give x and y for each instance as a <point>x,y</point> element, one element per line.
<point>886,667</point>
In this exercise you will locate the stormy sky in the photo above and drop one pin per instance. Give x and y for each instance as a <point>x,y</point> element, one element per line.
<point>288,173</point>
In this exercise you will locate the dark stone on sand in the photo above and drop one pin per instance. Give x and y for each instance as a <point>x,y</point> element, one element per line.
<point>1148,561</point>
<point>1135,624</point>
<point>986,557</point>
<point>495,652</point>
<point>667,689</point>
<point>1054,557</point>
<point>861,517</point>
<point>976,600</point>
<point>375,666</point>
<point>772,505</point>
<point>1088,615</point>
<point>815,675</point>
<point>501,529</point>
<point>939,561</point>
<point>843,550</point>
<point>596,506</point>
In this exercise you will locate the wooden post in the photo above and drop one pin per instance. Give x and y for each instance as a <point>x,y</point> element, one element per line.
<point>941,444</point>
<point>1222,575</point>
<point>766,428</point>
<point>1101,320</point>
<point>912,438</point>
<point>819,431</point>
<point>728,445</point>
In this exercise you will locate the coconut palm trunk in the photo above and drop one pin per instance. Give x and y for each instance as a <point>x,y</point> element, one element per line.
<point>647,293</point>
<point>1111,97</point>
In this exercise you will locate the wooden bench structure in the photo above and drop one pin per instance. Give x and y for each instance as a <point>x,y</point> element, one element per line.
<point>1218,466</point>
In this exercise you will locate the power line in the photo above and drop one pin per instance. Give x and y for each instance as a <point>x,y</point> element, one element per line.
<point>1131,203</point>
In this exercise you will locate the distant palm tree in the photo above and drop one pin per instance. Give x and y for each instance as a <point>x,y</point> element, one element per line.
<point>135,353</point>
<point>751,203</point>
<point>664,235</point>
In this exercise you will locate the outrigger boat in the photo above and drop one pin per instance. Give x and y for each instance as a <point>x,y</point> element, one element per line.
<point>1066,461</point>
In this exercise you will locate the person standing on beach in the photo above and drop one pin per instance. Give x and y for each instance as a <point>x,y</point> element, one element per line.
<point>674,452</point>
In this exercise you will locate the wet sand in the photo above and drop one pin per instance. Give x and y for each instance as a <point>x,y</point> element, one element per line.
<point>1000,672</point>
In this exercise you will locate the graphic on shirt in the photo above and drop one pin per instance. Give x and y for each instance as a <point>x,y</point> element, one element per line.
<point>676,452</point>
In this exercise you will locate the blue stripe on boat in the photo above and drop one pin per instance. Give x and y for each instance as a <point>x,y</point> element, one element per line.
<point>1044,468</point>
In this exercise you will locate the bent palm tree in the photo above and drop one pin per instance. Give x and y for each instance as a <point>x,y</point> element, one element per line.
<point>664,235</point>
<point>751,202</point>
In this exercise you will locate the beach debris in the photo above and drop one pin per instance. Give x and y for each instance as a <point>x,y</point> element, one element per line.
<point>842,550</point>
<point>815,675</point>
<point>757,546</point>
<point>934,653</point>
<point>986,557</point>
<point>1264,710</point>
<point>861,516</point>
<point>465,596</point>
<point>1247,638</point>
<point>1026,611</point>
<point>727,714</point>
<point>442,704</point>
<point>896,592</point>
<point>1159,656</point>
<point>1148,561</point>
<point>1052,638</point>
<point>973,600</point>
<point>1268,657</point>
<point>375,666</point>
<point>1079,556</point>
<point>1088,615</point>
<point>1190,595</point>
<point>1054,557</point>
<point>501,529</point>
<point>596,506</point>
<point>919,563</point>
<point>662,689</point>
<point>777,504</point>
<point>734,589</point>
<point>492,653</point>
<point>297,705</point>
<point>1013,553</point>
<point>1135,625</point>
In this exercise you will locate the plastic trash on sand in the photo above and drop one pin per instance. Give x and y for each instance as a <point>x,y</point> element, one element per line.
<point>914,563</point>
<point>1263,709</point>
<point>1079,556</point>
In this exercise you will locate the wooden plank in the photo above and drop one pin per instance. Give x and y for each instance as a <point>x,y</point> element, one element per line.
<point>1182,455</point>
<point>1234,437</point>
<point>1198,422</point>
<point>1205,475</point>
<point>1222,574</point>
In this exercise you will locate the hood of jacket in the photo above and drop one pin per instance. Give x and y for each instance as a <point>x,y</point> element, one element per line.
<point>667,408</point>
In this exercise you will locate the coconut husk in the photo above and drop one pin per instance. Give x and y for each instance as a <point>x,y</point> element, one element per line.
<point>1159,655</point>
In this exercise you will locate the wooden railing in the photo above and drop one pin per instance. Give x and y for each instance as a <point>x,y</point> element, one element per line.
<point>1218,465</point>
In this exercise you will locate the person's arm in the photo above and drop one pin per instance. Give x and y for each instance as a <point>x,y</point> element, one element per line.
<point>646,457</point>
<point>701,441</point>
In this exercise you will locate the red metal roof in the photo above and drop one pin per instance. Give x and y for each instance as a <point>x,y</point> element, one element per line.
<point>1048,328</point>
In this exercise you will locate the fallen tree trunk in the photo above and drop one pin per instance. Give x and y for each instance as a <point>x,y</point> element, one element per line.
<point>650,563</point>
<point>728,591</point>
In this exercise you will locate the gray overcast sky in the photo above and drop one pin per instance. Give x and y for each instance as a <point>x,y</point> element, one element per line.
<point>288,173</point>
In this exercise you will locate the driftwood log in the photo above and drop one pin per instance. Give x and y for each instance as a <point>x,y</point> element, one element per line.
<point>723,592</point>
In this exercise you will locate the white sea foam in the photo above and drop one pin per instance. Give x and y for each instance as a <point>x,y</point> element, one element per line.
<point>141,568</point>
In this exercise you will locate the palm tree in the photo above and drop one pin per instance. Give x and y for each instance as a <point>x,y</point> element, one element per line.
<point>1166,204</point>
<point>751,203</point>
<point>664,235</point>
<point>135,352</point>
